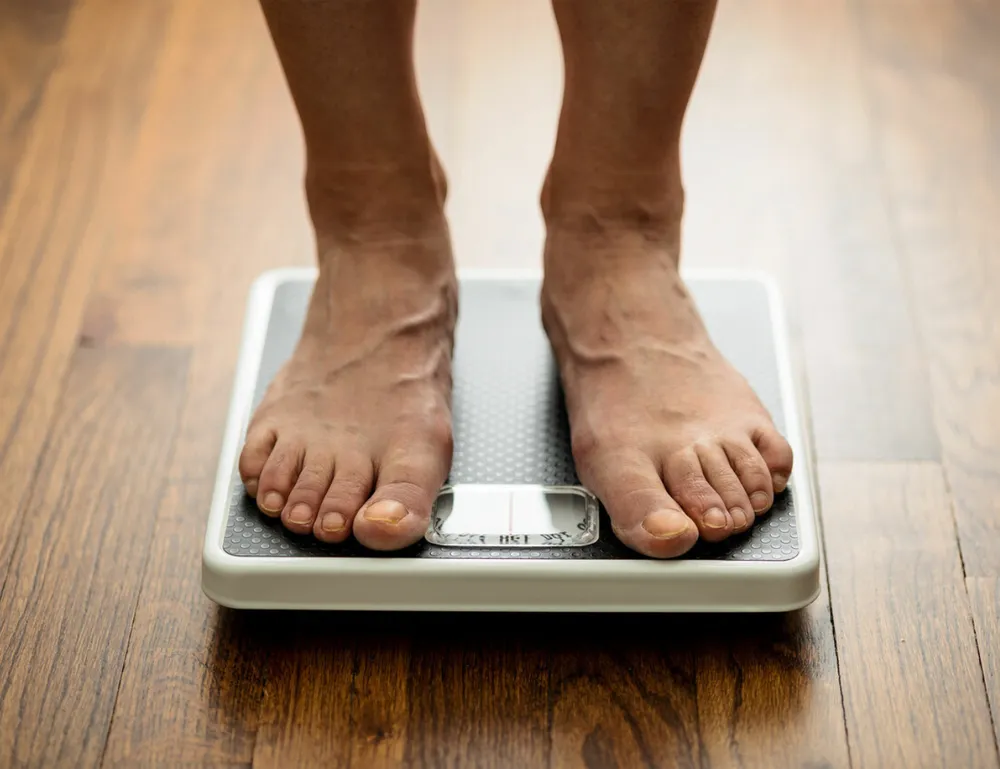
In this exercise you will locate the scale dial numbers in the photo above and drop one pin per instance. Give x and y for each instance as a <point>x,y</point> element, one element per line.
<point>488,515</point>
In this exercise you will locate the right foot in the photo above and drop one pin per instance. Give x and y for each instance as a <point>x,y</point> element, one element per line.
<point>354,434</point>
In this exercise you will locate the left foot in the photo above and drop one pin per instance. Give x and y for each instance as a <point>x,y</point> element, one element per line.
<point>665,431</point>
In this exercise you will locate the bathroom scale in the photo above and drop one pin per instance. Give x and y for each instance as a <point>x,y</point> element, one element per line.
<point>513,529</point>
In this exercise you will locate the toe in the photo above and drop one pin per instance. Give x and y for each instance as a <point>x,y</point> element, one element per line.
<point>720,475</point>
<point>398,512</point>
<point>752,471</point>
<point>259,444</point>
<point>352,485</point>
<point>644,517</point>
<point>278,477</point>
<point>310,488</point>
<point>777,455</point>
<point>687,484</point>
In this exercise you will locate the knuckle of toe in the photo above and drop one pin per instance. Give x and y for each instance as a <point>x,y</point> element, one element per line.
<point>695,493</point>
<point>309,487</point>
<point>732,490</point>
<point>349,489</point>
<point>747,466</point>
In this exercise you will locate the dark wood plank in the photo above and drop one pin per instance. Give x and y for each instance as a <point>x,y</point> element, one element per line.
<point>305,717</point>
<point>477,689</point>
<point>941,165</point>
<point>604,711</point>
<point>910,671</point>
<point>382,703</point>
<point>71,592</point>
<point>63,209</point>
<point>697,691</point>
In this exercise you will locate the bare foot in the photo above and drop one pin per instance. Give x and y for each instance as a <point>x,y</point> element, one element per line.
<point>355,432</point>
<point>666,433</point>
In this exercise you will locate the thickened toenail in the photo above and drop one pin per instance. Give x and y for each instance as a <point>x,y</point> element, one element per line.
<point>251,486</point>
<point>272,502</point>
<point>780,482</point>
<point>739,517</point>
<point>333,522</point>
<point>300,514</point>
<point>760,501</point>
<point>715,519</point>
<point>386,511</point>
<point>666,524</point>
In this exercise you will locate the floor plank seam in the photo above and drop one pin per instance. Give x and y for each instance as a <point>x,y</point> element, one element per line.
<point>159,496</point>
<point>809,445</point>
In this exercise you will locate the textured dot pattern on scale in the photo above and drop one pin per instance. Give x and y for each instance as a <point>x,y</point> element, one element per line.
<point>510,427</point>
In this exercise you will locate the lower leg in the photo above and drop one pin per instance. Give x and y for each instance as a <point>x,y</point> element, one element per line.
<point>667,434</point>
<point>358,419</point>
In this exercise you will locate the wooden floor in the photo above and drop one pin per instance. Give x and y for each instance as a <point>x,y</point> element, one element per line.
<point>149,167</point>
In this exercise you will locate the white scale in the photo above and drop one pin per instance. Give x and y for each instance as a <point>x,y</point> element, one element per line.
<point>513,529</point>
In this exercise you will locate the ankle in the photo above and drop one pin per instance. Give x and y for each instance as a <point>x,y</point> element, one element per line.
<point>589,200</point>
<point>356,200</point>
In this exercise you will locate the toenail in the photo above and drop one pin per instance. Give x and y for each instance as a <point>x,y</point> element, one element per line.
<point>333,522</point>
<point>272,502</point>
<point>739,517</point>
<point>666,524</point>
<point>715,519</point>
<point>386,511</point>
<point>301,513</point>
<point>251,486</point>
<point>780,482</point>
<point>760,501</point>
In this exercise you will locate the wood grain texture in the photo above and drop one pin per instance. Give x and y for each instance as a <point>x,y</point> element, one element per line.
<point>305,717</point>
<point>62,211</point>
<point>940,164</point>
<point>383,700</point>
<point>193,194</point>
<point>910,670</point>
<point>71,592</point>
<point>984,595</point>
<point>782,173</point>
<point>192,680</point>
<point>477,692</point>
<point>245,159</point>
<point>935,86</point>
<point>30,34</point>
<point>694,691</point>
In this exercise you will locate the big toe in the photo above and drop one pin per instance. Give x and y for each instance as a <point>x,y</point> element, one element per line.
<point>386,523</point>
<point>398,513</point>
<point>643,515</point>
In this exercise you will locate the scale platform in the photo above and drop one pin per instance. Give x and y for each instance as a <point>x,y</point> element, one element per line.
<point>513,530</point>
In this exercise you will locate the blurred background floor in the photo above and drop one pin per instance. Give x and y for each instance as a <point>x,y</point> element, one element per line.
<point>150,167</point>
